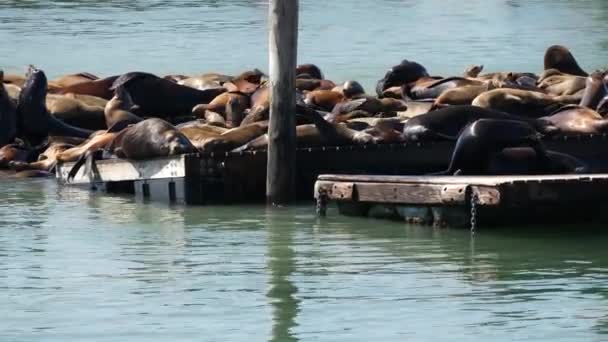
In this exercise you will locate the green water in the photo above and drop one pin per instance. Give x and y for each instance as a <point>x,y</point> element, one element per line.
<point>82,266</point>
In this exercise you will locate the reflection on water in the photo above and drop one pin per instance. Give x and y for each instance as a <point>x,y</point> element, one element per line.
<point>100,267</point>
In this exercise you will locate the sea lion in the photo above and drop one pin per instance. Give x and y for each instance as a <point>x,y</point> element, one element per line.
<point>324,99</point>
<point>448,122</point>
<point>560,58</point>
<point>394,92</point>
<point>46,160</point>
<point>14,153</point>
<point>97,142</point>
<point>98,88</point>
<point>403,73</point>
<point>89,100</point>
<point>34,123</point>
<point>304,84</point>
<point>119,109</point>
<point>483,138</point>
<point>74,112</point>
<point>519,102</point>
<point>69,80</point>
<point>159,97</point>
<point>415,108</point>
<point>595,90</point>
<point>149,139</point>
<point>432,88</point>
<point>310,69</point>
<point>352,90</point>
<point>526,161</point>
<point>8,116</point>
<point>218,104</point>
<point>562,84</point>
<point>205,81</point>
<point>573,119</point>
<point>233,138</point>
<point>235,111</point>
<point>214,118</point>
<point>473,71</point>
<point>16,80</point>
<point>462,95</point>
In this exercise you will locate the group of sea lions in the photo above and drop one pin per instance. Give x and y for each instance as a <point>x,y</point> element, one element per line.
<point>497,120</point>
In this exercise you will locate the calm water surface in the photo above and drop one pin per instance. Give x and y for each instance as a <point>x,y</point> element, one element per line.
<point>81,266</point>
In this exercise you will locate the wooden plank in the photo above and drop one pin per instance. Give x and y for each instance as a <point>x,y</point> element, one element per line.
<point>283,43</point>
<point>117,170</point>
<point>398,193</point>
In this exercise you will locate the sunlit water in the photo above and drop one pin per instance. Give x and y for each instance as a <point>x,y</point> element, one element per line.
<point>81,266</point>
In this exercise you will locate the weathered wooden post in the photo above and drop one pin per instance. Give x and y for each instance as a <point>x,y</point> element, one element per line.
<point>283,46</point>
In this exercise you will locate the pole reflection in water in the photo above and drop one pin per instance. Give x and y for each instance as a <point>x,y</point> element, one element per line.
<point>281,265</point>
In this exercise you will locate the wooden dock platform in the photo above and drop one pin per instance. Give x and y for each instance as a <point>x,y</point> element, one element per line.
<point>226,178</point>
<point>459,201</point>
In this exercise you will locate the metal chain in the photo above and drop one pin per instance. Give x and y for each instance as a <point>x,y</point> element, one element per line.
<point>322,203</point>
<point>473,212</point>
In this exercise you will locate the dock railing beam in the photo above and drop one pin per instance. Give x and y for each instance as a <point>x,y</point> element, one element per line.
<point>283,45</point>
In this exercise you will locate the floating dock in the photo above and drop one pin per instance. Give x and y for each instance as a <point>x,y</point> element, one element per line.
<point>227,178</point>
<point>465,201</point>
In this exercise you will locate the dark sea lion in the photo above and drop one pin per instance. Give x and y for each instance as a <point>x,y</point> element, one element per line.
<point>34,123</point>
<point>74,112</point>
<point>415,108</point>
<point>448,122</point>
<point>433,88</point>
<point>353,89</point>
<point>526,161</point>
<point>310,69</point>
<point>483,138</point>
<point>119,109</point>
<point>394,92</point>
<point>595,90</point>
<point>314,84</point>
<point>8,116</point>
<point>159,97</point>
<point>98,88</point>
<point>519,102</point>
<point>149,139</point>
<point>403,73</point>
<point>573,119</point>
<point>235,111</point>
<point>560,58</point>
<point>69,80</point>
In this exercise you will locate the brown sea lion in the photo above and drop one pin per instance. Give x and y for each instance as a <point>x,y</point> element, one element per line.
<point>88,99</point>
<point>462,95</point>
<point>46,160</point>
<point>403,73</point>
<point>324,99</point>
<point>214,118</point>
<point>119,109</point>
<point>8,115</point>
<point>233,138</point>
<point>97,142</point>
<point>573,119</point>
<point>69,80</point>
<point>563,84</point>
<point>197,131</point>
<point>473,71</point>
<point>526,161</point>
<point>560,58</point>
<point>235,111</point>
<point>13,79</point>
<point>34,124</point>
<point>519,102</point>
<point>310,69</point>
<point>205,81</point>
<point>98,88</point>
<point>158,97</point>
<point>218,104</point>
<point>414,108</point>
<point>149,139</point>
<point>15,153</point>
<point>304,84</point>
<point>75,113</point>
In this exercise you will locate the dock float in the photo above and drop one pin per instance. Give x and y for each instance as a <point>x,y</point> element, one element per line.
<point>467,201</point>
<point>240,177</point>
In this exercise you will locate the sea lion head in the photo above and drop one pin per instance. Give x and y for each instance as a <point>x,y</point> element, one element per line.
<point>36,84</point>
<point>176,143</point>
<point>351,89</point>
<point>473,70</point>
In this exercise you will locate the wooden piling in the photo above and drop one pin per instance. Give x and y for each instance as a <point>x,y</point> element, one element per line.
<point>283,43</point>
